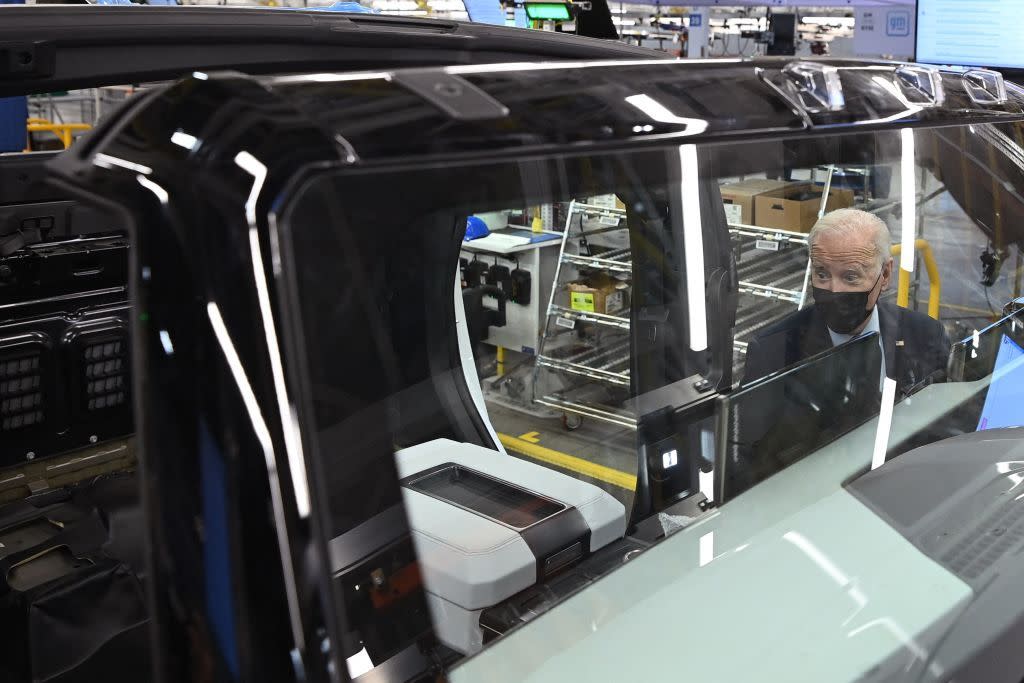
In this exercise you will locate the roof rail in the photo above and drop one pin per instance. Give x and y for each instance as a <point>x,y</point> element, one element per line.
<point>817,86</point>
<point>985,86</point>
<point>921,85</point>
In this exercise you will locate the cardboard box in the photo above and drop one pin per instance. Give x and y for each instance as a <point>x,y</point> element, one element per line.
<point>605,296</point>
<point>738,198</point>
<point>796,208</point>
<point>607,201</point>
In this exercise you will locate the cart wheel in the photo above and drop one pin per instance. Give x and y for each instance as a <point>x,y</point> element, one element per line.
<point>571,421</point>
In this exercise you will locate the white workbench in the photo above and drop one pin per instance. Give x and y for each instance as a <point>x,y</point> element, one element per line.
<point>524,324</point>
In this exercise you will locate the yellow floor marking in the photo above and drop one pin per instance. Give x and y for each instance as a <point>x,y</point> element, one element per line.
<point>569,462</point>
<point>962,309</point>
<point>532,437</point>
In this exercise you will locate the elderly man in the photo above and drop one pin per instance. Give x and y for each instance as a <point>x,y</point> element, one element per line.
<point>850,268</point>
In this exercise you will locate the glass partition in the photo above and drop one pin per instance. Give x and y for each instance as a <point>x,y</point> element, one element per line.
<point>588,317</point>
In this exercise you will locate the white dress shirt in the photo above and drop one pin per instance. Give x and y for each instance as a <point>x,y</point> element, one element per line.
<point>873,326</point>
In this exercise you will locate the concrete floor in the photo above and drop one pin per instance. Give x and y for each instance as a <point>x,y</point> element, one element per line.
<point>602,444</point>
<point>958,244</point>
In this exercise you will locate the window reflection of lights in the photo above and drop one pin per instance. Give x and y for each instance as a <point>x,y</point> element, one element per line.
<point>706,484</point>
<point>199,75</point>
<point>333,78</point>
<point>643,129</point>
<point>254,167</point>
<point>259,426</point>
<point>808,548</point>
<point>884,423</point>
<point>107,161</point>
<point>160,192</point>
<point>623,22</point>
<point>902,637</point>
<point>706,548</point>
<point>693,248</point>
<point>293,443</point>
<point>1012,468</point>
<point>350,152</point>
<point>165,341</point>
<point>359,663</point>
<point>660,113</point>
<point>669,459</point>
<point>893,90</point>
<point>183,139</point>
<point>908,198</point>
<point>534,66</point>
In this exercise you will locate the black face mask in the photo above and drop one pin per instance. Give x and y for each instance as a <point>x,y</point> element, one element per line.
<point>843,311</point>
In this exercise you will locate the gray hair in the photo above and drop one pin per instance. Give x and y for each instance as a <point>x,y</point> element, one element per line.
<point>846,222</point>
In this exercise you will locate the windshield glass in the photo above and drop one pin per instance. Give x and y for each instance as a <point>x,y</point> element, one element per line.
<point>679,332</point>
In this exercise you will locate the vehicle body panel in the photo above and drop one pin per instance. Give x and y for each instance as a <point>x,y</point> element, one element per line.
<point>876,605</point>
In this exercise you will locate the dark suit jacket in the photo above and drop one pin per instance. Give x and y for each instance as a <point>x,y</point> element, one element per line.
<point>916,347</point>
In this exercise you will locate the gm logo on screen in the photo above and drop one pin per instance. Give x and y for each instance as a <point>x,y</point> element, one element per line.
<point>897,23</point>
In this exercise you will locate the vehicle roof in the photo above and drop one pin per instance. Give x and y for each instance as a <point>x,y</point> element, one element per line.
<point>77,46</point>
<point>491,111</point>
<point>523,108</point>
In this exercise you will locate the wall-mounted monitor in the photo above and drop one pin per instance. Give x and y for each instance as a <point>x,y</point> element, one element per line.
<point>977,33</point>
<point>548,11</point>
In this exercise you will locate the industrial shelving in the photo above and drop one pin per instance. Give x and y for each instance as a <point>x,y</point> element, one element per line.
<point>773,272</point>
<point>587,353</point>
<point>771,266</point>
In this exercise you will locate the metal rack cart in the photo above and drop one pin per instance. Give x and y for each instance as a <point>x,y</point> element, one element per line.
<point>586,353</point>
<point>771,266</point>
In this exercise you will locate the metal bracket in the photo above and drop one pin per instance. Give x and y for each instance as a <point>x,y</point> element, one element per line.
<point>816,86</point>
<point>985,86</point>
<point>453,95</point>
<point>27,60</point>
<point>921,85</point>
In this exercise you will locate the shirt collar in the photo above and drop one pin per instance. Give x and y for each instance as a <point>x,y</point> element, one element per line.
<point>873,326</point>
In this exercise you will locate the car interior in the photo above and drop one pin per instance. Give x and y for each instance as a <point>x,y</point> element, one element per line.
<point>498,540</point>
<point>72,532</point>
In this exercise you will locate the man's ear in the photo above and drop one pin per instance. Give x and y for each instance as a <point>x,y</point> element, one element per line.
<point>887,273</point>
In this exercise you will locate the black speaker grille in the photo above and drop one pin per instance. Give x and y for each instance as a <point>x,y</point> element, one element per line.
<point>105,374</point>
<point>21,396</point>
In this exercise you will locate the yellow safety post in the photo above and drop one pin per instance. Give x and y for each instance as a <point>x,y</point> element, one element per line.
<point>934,281</point>
<point>501,361</point>
<point>64,131</point>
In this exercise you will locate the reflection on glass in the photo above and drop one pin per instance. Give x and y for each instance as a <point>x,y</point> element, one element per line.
<point>690,331</point>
